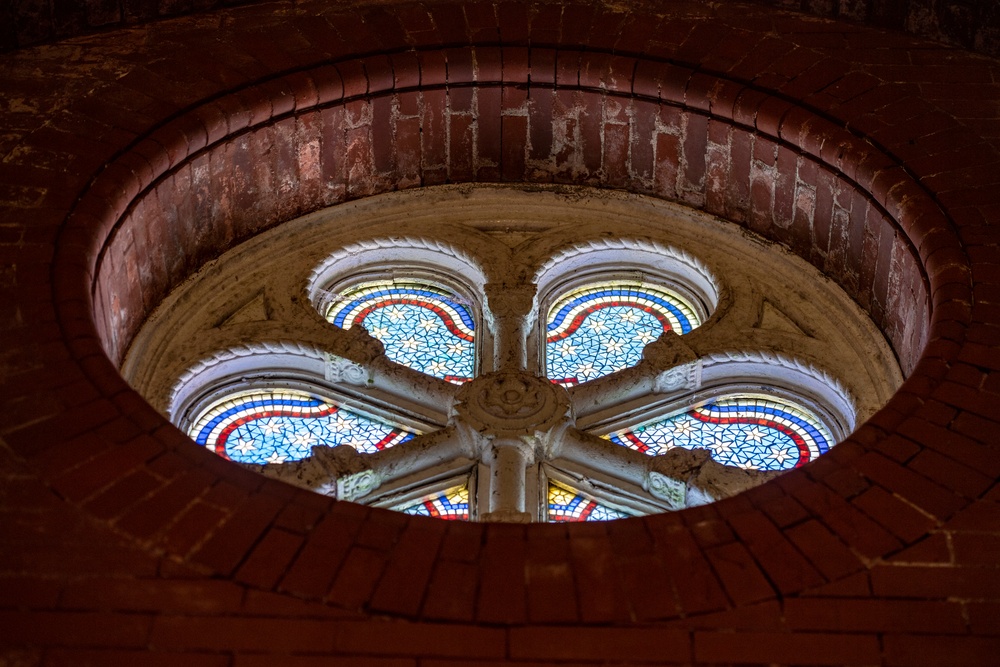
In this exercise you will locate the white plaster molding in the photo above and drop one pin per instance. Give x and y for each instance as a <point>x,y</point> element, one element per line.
<point>388,254</point>
<point>248,358</point>
<point>785,372</point>
<point>343,370</point>
<point>679,378</point>
<point>358,484</point>
<point>667,489</point>
<point>633,244</point>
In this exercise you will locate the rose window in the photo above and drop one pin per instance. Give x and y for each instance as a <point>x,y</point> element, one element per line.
<point>576,361</point>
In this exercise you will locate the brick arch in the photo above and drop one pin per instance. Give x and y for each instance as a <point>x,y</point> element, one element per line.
<point>803,570</point>
<point>351,129</point>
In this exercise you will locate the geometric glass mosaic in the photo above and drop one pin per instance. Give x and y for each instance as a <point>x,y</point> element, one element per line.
<point>566,504</point>
<point>601,328</point>
<point>451,504</point>
<point>277,425</point>
<point>421,325</point>
<point>743,430</point>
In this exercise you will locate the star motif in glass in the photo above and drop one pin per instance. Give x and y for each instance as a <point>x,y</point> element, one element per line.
<point>280,425</point>
<point>422,326</point>
<point>601,328</point>
<point>743,430</point>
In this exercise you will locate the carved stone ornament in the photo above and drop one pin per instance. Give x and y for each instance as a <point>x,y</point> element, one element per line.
<point>356,485</point>
<point>510,300</point>
<point>665,488</point>
<point>686,377</point>
<point>339,369</point>
<point>512,404</point>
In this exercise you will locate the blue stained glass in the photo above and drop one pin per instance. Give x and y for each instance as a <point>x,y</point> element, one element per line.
<point>279,425</point>
<point>566,504</point>
<point>422,326</point>
<point>451,504</point>
<point>602,328</point>
<point>744,430</point>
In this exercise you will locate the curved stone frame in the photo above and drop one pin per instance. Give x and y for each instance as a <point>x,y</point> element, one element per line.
<point>436,262</point>
<point>606,269</point>
<point>671,376</point>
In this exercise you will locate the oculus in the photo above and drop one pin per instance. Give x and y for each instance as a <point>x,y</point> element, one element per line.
<point>494,354</point>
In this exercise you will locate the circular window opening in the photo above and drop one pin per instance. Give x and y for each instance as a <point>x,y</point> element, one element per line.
<point>524,371</point>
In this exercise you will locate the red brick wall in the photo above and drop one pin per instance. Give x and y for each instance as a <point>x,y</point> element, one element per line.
<point>970,24</point>
<point>127,544</point>
<point>363,127</point>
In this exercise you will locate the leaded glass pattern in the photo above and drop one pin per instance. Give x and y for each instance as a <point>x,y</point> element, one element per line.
<point>279,425</point>
<point>744,430</point>
<point>451,504</point>
<point>602,328</point>
<point>566,504</point>
<point>421,325</point>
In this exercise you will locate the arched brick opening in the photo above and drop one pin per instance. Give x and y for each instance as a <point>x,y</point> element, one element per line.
<point>801,163</point>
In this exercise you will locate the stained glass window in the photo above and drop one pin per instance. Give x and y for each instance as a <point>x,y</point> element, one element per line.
<point>566,504</point>
<point>744,430</point>
<point>601,328</point>
<point>451,503</point>
<point>421,325</point>
<point>279,425</point>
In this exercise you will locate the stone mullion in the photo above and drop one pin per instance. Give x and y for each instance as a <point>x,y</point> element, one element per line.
<point>512,310</point>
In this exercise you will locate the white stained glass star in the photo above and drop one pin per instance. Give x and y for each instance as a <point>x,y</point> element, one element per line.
<point>456,348</point>
<point>755,434</point>
<point>645,337</point>
<point>566,349</point>
<point>427,324</point>
<point>721,446</point>
<point>684,428</point>
<point>410,344</point>
<point>629,316</point>
<point>437,367</point>
<point>303,439</point>
<point>245,445</point>
<point>779,455</point>
<point>356,442</point>
<point>380,332</point>
<point>342,423</point>
<point>597,325</point>
<point>272,426</point>
<point>395,314</point>
<point>275,457</point>
<point>586,370</point>
<point>614,345</point>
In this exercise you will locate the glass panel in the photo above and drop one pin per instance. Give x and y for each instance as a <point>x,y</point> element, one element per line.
<point>601,328</point>
<point>566,504</point>
<point>422,326</point>
<point>278,425</point>
<point>755,432</point>
<point>451,504</point>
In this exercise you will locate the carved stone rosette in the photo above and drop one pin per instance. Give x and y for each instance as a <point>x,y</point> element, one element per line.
<point>512,405</point>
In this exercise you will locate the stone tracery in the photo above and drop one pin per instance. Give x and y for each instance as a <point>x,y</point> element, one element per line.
<point>509,422</point>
